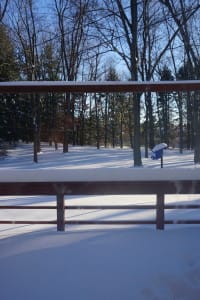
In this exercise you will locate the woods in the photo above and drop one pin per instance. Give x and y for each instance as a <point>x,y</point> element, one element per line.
<point>101,40</point>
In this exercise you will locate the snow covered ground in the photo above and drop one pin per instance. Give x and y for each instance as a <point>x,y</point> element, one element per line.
<point>98,262</point>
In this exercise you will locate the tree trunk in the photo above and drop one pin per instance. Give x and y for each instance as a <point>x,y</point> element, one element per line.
<point>66,123</point>
<point>196,129</point>
<point>97,123</point>
<point>106,122</point>
<point>136,138</point>
<point>121,130</point>
<point>134,76</point>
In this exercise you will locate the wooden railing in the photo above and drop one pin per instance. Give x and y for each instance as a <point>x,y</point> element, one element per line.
<point>98,86</point>
<point>60,189</point>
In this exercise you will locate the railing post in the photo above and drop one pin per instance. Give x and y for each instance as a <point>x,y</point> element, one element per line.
<point>160,212</point>
<point>60,212</point>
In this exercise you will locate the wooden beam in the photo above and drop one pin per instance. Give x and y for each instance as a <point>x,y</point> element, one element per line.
<point>96,87</point>
<point>160,211</point>
<point>60,212</point>
<point>101,187</point>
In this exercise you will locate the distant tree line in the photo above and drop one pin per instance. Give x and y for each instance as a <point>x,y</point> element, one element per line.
<point>101,40</point>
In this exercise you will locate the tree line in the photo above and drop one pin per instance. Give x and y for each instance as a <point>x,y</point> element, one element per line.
<point>84,40</point>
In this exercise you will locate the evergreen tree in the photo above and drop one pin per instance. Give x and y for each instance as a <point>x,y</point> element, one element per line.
<point>9,104</point>
<point>8,63</point>
<point>163,106</point>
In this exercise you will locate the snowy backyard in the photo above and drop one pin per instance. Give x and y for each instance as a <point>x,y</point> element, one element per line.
<point>100,262</point>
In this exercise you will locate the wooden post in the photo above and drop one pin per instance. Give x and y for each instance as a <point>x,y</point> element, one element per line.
<point>161,161</point>
<point>60,212</point>
<point>160,213</point>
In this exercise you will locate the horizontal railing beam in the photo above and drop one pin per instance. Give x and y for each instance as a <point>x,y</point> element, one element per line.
<point>182,206</point>
<point>189,222</point>
<point>27,222</point>
<point>99,222</point>
<point>101,187</point>
<point>96,87</point>
<point>102,207</point>
<point>27,207</point>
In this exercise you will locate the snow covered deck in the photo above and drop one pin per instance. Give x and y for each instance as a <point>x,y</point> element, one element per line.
<point>104,181</point>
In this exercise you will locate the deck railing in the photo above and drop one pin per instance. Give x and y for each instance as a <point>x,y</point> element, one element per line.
<point>97,87</point>
<point>160,188</point>
<point>60,189</point>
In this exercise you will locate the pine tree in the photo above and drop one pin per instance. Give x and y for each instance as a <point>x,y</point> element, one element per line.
<point>163,106</point>
<point>8,103</point>
<point>8,63</point>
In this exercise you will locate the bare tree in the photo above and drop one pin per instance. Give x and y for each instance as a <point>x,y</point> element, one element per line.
<point>24,25</point>
<point>133,31</point>
<point>120,34</point>
<point>3,8</point>
<point>180,10</point>
<point>73,25</point>
<point>148,39</point>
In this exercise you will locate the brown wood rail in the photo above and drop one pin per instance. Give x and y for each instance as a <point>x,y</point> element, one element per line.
<point>60,189</point>
<point>96,87</point>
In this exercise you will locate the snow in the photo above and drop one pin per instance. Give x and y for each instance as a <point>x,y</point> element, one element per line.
<point>160,146</point>
<point>98,261</point>
<point>103,174</point>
